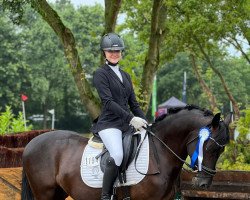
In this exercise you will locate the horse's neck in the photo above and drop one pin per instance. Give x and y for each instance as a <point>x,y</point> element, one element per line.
<point>175,130</point>
<point>181,124</point>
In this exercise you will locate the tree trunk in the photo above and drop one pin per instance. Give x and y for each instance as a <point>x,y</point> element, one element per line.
<point>158,25</point>
<point>207,91</point>
<point>88,99</point>
<point>229,94</point>
<point>112,8</point>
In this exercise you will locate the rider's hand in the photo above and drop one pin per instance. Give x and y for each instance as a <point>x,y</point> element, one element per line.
<point>138,122</point>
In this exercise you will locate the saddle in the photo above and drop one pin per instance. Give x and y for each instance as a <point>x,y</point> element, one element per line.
<point>130,141</point>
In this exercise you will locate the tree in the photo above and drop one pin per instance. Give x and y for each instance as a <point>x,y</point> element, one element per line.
<point>236,74</point>
<point>237,156</point>
<point>155,23</point>
<point>170,81</point>
<point>52,83</point>
<point>170,27</point>
<point>68,41</point>
<point>199,32</point>
<point>235,22</point>
<point>206,89</point>
<point>65,34</point>
<point>71,53</point>
<point>43,54</point>
<point>11,66</point>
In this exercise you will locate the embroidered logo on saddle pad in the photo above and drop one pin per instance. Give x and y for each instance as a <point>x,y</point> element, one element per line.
<point>92,174</point>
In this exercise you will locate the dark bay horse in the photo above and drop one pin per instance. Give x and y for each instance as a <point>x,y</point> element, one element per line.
<point>51,161</point>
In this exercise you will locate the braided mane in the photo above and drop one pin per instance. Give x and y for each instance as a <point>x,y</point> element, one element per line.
<point>177,109</point>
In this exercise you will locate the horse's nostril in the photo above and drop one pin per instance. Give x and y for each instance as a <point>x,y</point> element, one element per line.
<point>199,183</point>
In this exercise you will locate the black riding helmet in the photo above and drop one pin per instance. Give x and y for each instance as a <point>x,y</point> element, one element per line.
<point>112,41</point>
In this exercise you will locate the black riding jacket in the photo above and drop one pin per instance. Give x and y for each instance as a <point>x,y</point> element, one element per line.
<point>118,99</point>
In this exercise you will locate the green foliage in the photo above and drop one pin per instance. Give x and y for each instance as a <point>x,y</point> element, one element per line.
<point>133,59</point>
<point>32,61</point>
<point>5,120</point>
<point>10,124</point>
<point>138,18</point>
<point>235,157</point>
<point>196,26</point>
<point>16,8</point>
<point>237,153</point>
<point>14,72</point>
<point>86,23</point>
<point>235,71</point>
<point>244,125</point>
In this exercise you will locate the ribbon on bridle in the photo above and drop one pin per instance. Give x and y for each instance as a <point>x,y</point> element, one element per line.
<point>202,132</point>
<point>204,135</point>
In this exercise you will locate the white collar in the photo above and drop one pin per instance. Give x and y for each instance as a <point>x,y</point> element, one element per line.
<point>113,67</point>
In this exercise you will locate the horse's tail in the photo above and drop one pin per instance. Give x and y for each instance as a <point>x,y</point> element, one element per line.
<point>26,190</point>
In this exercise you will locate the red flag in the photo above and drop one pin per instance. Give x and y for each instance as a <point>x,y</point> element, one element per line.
<point>24,97</point>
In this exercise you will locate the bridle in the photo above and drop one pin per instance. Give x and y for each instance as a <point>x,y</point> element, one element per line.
<point>205,169</point>
<point>211,138</point>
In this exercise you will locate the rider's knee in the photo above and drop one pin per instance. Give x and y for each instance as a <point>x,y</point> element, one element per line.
<point>118,156</point>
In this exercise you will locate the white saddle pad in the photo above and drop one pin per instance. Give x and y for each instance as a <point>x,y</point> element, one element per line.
<point>92,174</point>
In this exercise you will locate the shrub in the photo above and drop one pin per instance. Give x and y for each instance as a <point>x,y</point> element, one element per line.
<point>237,152</point>
<point>10,124</point>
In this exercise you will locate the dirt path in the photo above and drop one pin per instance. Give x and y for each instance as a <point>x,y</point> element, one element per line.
<point>10,183</point>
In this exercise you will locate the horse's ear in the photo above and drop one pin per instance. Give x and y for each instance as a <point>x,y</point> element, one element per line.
<point>228,119</point>
<point>216,120</point>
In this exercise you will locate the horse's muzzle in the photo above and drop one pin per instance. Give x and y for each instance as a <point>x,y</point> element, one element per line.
<point>200,181</point>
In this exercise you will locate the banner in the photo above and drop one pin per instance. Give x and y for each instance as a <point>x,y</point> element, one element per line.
<point>154,97</point>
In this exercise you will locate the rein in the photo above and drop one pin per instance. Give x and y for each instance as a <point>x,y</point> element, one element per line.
<point>153,134</point>
<point>204,168</point>
<point>165,145</point>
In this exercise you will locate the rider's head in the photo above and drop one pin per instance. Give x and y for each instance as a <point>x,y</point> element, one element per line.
<point>112,45</point>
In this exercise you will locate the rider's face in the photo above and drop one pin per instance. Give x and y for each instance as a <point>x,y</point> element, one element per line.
<point>113,56</point>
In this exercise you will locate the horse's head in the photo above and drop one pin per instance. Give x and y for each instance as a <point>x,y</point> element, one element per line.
<point>206,148</point>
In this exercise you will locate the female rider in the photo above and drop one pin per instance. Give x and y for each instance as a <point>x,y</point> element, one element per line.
<point>120,109</point>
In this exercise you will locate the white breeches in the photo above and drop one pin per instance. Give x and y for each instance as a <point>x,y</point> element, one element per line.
<point>112,139</point>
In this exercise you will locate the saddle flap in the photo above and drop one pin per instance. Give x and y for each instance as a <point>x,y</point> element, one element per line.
<point>131,141</point>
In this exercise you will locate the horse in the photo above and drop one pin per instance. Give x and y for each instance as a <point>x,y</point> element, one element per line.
<point>51,161</point>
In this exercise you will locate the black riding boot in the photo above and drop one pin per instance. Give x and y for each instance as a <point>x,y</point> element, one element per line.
<point>109,177</point>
